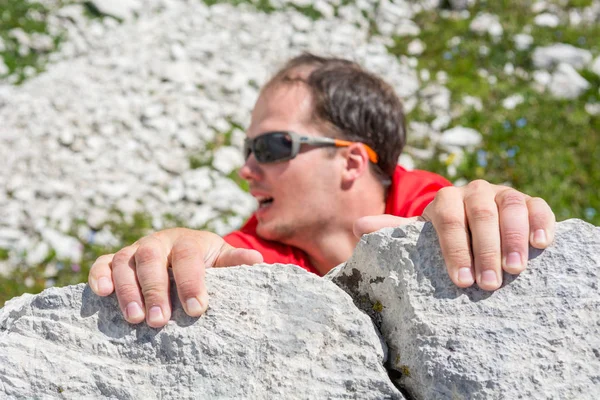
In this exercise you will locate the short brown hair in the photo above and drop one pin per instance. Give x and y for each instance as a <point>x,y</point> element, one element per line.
<point>352,103</point>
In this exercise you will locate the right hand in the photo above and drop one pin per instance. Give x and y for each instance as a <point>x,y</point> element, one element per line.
<point>138,273</point>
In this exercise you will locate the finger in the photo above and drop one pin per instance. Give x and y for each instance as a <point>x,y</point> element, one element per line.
<point>128,291</point>
<point>542,222</point>
<point>482,219</point>
<point>514,230</point>
<point>447,214</point>
<point>100,276</point>
<point>151,268</point>
<point>374,223</point>
<point>189,273</point>
<point>231,256</point>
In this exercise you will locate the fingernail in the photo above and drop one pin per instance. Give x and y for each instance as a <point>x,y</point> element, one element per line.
<point>513,260</point>
<point>193,306</point>
<point>134,311</point>
<point>489,278</point>
<point>465,276</point>
<point>104,285</point>
<point>156,315</point>
<point>94,284</point>
<point>539,236</point>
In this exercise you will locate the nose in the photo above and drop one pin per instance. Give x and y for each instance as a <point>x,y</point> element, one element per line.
<point>251,170</point>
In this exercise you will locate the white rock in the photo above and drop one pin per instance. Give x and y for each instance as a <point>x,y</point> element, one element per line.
<point>441,122</point>
<point>539,6</point>
<point>66,247</point>
<point>511,102</point>
<point>3,67</point>
<point>406,161</point>
<point>416,47</point>
<point>595,68</point>
<point>566,83</point>
<point>474,102</point>
<point>549,56</point>
<point>178,52</point>
<point>121,9</point>
<point>547,19</point>
<point>487,23</point>
<point>461,136</point>
<point>227,159</point>
<point>593,108</point>
<point>542,78</point>
<point>405,27</point>
<point>37,254</point>
<point>523,41</point>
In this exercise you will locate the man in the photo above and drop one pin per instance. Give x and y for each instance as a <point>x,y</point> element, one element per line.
<point>321,158</point>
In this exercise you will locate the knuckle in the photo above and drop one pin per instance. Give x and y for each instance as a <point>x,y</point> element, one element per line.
<point>184,250</point>
<point>450,222</point>
<point>445,192</point>
<point>487,257</point>
<point>154,292</point>
<point>121,257</point>
<point>478,184</point>
<point>188,287</point>
<point>511,198</point>
<point>482,213</point>
<point>127,290</point>
<point>146,255</point>
<point>459,256</point>
<point>514,238</point>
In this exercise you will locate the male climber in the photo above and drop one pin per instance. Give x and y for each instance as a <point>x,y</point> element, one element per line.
<point>321,161</point>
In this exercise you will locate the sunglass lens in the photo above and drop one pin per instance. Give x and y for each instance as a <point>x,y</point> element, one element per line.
<point>272,147</point>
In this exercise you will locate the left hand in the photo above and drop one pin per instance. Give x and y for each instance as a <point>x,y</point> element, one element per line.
<point>482,228</point>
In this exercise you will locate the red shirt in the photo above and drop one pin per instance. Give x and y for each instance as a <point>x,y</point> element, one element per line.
<point>409,194</point>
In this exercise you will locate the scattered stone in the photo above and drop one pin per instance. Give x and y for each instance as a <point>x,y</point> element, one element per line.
<point>487,23</point>
<point>3,67</point>
<point>566,83</point>
<point>550,56</point>
<point>536,337</point>
<point>227,159</point>
<point>593,108</point>
<point>547,20</point>
<point>511,102</point>
<point>416,47</point>
<point>120,9</point>
<point>277,321</point>
<point>523,41</point>
<point>595,68</point>
<point>460,136</point>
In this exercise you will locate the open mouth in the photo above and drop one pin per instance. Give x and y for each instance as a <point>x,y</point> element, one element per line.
<point>265,202</point>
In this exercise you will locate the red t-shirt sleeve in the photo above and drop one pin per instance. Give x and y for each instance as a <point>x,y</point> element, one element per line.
<point>272,252</point>
<point>412,191</point>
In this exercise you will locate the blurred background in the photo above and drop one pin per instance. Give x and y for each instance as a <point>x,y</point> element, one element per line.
<point>118,118</point>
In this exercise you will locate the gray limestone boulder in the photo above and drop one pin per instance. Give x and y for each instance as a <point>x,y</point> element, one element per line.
<point>537,337</point>
<point>271,332</point>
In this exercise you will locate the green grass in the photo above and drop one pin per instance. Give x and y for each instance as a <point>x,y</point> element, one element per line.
<point>22,14</point>
<point>544,147</point>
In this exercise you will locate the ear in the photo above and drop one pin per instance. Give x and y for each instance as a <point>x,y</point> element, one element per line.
<point>356,163</point>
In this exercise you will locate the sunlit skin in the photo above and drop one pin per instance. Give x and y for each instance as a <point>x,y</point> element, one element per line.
<point>317,196</point>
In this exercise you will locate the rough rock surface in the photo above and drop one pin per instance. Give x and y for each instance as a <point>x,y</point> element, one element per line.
<point>270,332</point>
<point>536,337</point>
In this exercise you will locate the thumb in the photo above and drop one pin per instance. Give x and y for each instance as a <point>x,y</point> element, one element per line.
<point>231,256</point>
<point>374,223</point>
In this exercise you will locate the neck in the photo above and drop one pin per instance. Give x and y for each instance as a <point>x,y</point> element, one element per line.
<point>333,245</point>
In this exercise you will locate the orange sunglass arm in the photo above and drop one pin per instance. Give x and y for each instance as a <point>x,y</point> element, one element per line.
<point>372,155</point>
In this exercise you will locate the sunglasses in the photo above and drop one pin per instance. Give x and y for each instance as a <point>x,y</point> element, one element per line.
<point>278,146</point>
